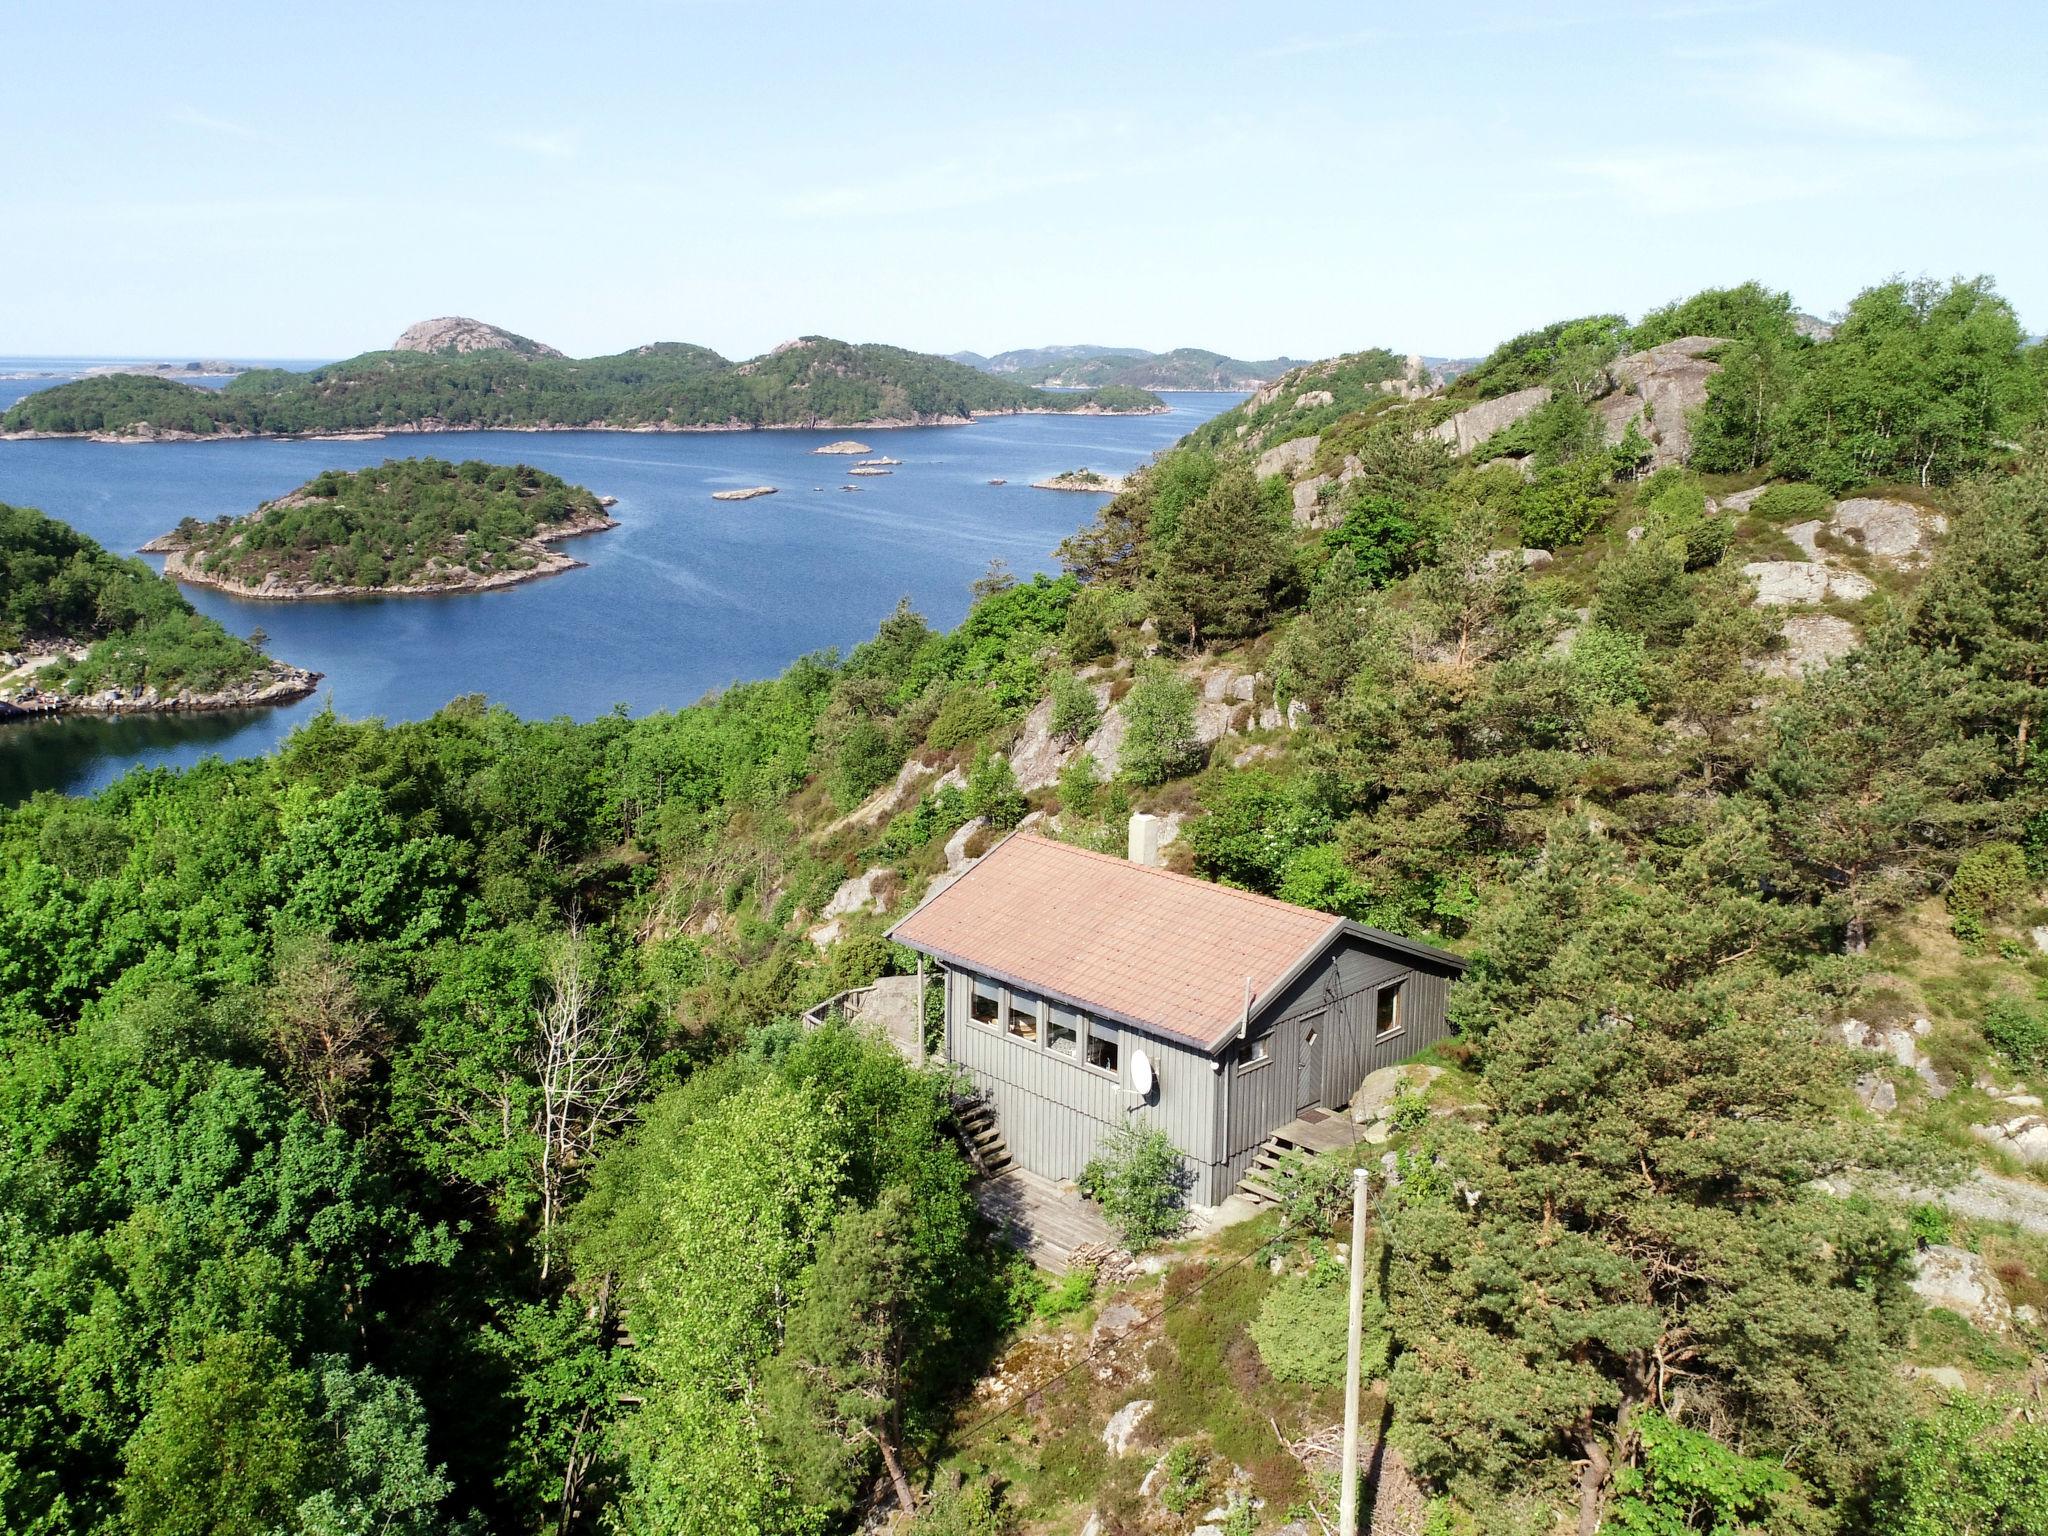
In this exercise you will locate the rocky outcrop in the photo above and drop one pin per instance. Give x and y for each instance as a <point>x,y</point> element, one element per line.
<point>844,445</point>
<point>745,493</point>
<point>1475,424</point>
<point>2024,1136</point>
<point>1893,533</point>
<point>274,683</point>
<point>1901,1042</point>
<point>1810,642</point>
<point>1658,390</point>
<point>868,891</point>
<point>1289,458</point>
<point>1372,1105</point>
<point>1782,583</point>
<point>1964,1283</point>
<point>1309,399</point>
<point>1120,1434</point>
<point>459,333</point>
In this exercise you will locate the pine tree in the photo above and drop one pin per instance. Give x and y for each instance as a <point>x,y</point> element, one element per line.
<point>1224,567</point>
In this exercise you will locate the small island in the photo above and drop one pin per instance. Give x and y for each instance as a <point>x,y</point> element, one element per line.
<point>744,493</point>
<point>407,527</point>
<point>844,445</point>
<point>84,631</point>
<point>1080,480</point>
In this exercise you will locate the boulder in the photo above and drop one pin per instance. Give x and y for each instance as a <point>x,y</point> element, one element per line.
<point>956,847</point>
<point>1877,1093</point>
<point>1106,746</point>
<point>1288,458</point>
<point>1308,501</point>
<point>1894,532</point>
<point>1309,399</point>
<point>1782,583</point>
<point>2024,1136</point>
<point>1376,1095</point>
<point>1812,642</point>
<point>1667,383</point>
<point>1037,757</point>
<point>1807,536</point>
<point>1122,1427</point>
<point>1742,501</point>
<point>1900,1042</point>
<point>1475,424</point>
<point>1947,1377</point>
<point>1964,1283</point>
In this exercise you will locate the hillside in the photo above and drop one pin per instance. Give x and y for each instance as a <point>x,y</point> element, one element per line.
<point>1092,367</point>
<point>84,630</point>
<point>438,1087</point>
<point>407,526</point>
<point>470,381</point>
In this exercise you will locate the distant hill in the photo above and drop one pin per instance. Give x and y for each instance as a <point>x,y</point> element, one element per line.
<point>457,374</point>
<point>1093,367</point>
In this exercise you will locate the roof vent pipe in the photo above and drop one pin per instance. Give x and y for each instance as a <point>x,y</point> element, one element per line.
<point>1144,847</point>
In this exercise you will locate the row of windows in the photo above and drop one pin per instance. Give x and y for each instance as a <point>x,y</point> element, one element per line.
<point>1033,1020</point>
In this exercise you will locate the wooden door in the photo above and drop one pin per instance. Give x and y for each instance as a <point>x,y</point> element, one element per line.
<point>1308,1063</point>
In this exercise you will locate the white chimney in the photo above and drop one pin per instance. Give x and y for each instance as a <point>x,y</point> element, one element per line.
<point>1145,839</point>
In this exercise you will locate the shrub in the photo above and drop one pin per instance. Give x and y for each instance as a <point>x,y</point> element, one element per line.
<point>1075,1290</point>
<point>1321,877</point>
<point>1562,505</point>
<point>1381,537</point>
<point>964,1509</point>
<point>1970,1467</point>
<point>1989,882</point>
<point>1302,1328</point>
<point>1794,502</point>
<point>1159,729</point>
<point>1086,635</point>
<point>1929,1224</point>
<point>1079,785</point>
<point>1254,827</point>
<point>1075,714</point>
<point>864,763</point>
<point>1186,1480</point>
<point>1141,1184</point>
<point>1689,1481</point>
<point>2018,1033</point>
<point>968,713</point>
<point>992,792</point>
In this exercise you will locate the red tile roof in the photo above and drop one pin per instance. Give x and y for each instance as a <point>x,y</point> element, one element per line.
<point>1144,945</point>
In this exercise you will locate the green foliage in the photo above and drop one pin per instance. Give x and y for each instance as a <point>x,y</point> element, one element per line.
<point>1929,1224</point>
<point>1159,729</point>
<point>1920,382</point>
<point>406,522</point>
<point>1564,503</point>
<point>1744,313</point>
<point>969,713</point>
<point>1186,1479</point>
<point>1569,349</point>
<point>1075,712</point>
<point>1139,1180</point>
<point>1255,826</point>
<point>1301,1329</point>
<point>1224,563</point>
<point>1970,1467</point>
<point>815,381</point>
<point>1073,1294</point>
<point>1793,501</point>
<point>1322,877</point>
<point>2018,1031</point>
<point>57,584</point>
<point>1688,1481</point>
<point>965,1509</point>
<point>1381,537</point>
<point>1990,882</point>
<point>992,792</point>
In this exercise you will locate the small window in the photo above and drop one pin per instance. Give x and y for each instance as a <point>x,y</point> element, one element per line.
<point>1020,1017</point>
<point>1102,1046</point>
<point>1387,1012</point>
<point>1257,1053</point>
<point>1062,1030</point>
<point>986,1006</point>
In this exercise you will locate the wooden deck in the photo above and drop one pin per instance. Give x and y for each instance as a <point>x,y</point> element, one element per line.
<point>1047,1221</point>
<point>1319,1131</point>
<point>891,1005</point>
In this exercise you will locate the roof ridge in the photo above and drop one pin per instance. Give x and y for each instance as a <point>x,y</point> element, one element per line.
<point>1256,897</point>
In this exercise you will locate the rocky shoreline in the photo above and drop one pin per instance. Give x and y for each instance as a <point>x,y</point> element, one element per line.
<point>178,567</point>
<point>277,683</point>
<point>432,425</point>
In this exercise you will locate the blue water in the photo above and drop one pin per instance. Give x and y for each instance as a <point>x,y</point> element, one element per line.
<point>685,596</point>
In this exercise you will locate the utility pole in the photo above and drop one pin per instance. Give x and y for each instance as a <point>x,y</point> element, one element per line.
<point>1347,1508</point>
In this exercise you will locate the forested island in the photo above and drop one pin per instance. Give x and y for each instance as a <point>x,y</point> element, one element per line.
<point>414,1130</point>
<point>1092,367</point>
<point>83,630</point>
<point>407,526</point>
<point>481,378</point>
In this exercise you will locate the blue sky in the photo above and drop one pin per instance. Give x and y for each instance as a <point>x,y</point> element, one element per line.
<point>302,180</point>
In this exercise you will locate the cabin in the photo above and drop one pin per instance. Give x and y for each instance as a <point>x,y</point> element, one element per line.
<point>1083,990</point>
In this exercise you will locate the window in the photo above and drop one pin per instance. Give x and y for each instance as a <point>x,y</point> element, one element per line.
<point>1257,1053</point>
<point>1020,1017</point>
<point>1062,1030</point>
<point>1386,1018</point>
<point>1102,1046</point>
<point>986,1006</point>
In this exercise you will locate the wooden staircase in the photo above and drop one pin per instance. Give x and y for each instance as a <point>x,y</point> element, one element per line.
<point>1316,1132</point>
<point>975,1121</point>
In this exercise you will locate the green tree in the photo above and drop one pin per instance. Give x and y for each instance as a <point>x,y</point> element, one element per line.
<point>1159,729</point>
<point>1969,1467</point>
<point>1225,566</point>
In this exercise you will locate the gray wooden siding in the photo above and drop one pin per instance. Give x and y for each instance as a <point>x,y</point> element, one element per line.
<point>1054,1112</point>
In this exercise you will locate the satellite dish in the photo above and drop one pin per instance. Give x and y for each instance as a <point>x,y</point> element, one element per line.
<point>1142,1078</point>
